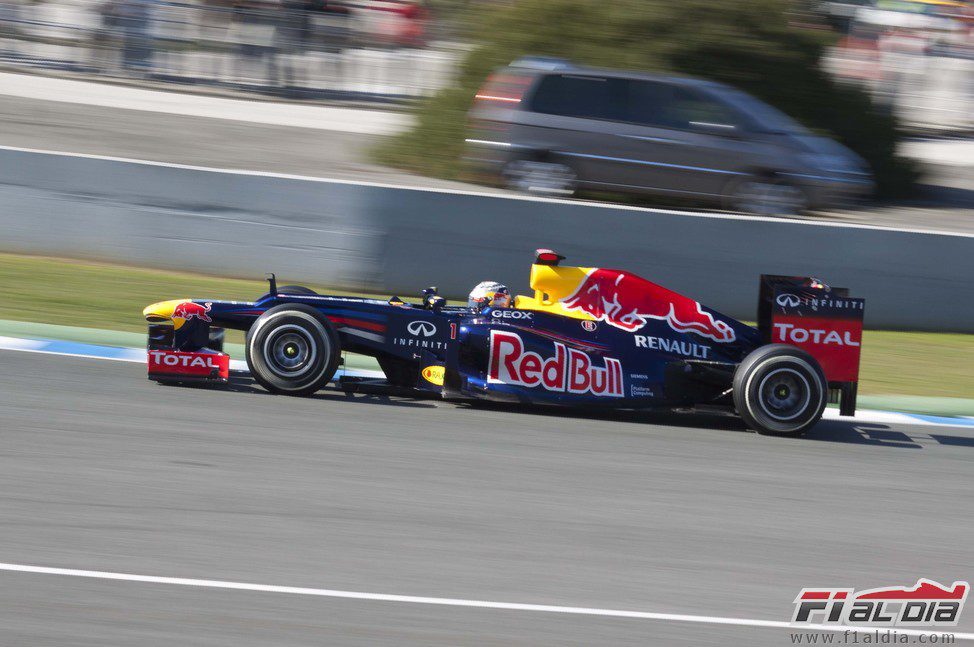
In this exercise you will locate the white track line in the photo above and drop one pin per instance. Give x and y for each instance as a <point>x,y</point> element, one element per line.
<point>495,195</point>
<point>17,343</point>
<point>449,602</point>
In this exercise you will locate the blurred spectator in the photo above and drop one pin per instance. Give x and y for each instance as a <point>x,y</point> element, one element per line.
<point>330,29</point>
<point>105,35</point>
<point>396,23</point>
<point>215,21</point>
<point>255,33</point>
<point>10,18</point>
<point>413,25</point>
<point>291,36</point>
<point>307,29</point>
<point>131,19</point>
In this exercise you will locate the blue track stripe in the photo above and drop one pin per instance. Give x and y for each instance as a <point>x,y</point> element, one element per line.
<point>960,421</point>
<point>94,350</point>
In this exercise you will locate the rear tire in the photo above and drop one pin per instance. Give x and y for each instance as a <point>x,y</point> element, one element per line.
<point>292,349</point>
<point>780,390</point>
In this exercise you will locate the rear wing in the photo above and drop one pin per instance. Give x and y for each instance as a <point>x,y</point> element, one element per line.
<point>825,322</point>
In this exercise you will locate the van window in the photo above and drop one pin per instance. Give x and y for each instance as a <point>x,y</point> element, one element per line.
<point>588,97</point>
<point>652,103</point>
<point>690,109</point>
<point>648,102</point>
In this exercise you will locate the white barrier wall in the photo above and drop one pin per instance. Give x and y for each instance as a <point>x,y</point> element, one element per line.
<point>401,240</point>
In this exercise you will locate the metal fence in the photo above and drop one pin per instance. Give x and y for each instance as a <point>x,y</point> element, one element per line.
<point>376,51</point>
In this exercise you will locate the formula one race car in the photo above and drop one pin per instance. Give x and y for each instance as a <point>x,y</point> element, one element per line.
<point>588,337</point>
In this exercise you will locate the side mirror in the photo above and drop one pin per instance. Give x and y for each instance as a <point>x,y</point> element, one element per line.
<point>435,303</point>
<point>428,295</point>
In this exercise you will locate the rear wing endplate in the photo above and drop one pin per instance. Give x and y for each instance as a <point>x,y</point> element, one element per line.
<point>825,322</point>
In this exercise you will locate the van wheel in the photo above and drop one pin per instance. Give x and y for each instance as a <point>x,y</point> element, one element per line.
<point>766,196</point>
<point>779,390</point>
<point>546,178</point>
<point>292,349</point>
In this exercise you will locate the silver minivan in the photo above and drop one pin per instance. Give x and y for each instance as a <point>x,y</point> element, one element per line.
<point>546,126</point>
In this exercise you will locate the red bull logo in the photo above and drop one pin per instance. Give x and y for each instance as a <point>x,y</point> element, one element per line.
<point>189,310</point>
<point>626,301</point>
<point>569,371</point>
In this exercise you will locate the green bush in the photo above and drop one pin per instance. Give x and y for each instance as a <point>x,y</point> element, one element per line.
<point>750,45</point>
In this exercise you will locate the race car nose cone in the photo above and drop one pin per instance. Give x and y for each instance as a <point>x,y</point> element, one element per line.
<point>160,311</point>
<point>165,311</point>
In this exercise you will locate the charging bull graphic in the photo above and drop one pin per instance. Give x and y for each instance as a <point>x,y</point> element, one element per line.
<point>626,301</point>
<point>188,310</point>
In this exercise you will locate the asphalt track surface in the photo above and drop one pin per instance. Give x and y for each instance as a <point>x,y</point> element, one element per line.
<point>676,513</point>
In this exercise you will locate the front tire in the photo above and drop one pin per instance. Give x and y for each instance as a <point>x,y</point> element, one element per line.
<point>292,349</point>
<point>779,390</point>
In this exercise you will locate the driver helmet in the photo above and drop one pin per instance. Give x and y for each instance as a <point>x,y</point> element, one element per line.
<point>489,293</point>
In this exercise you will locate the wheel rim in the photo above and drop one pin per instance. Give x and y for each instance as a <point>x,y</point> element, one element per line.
<point>540,177</point>
<point>784,394</point>
<point>290,351</point>
<point>769,198</point>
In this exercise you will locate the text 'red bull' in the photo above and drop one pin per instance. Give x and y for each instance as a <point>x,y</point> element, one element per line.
<point>626,301</point>
<point>569,371</point>
<point>189,310</point>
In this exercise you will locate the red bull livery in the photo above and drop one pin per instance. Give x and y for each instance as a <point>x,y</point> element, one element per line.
<point>190,310</point>
<point>626,301</point>
<point>586,337</point>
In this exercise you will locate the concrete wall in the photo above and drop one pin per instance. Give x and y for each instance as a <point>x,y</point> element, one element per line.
<point>400,240</point>
<point>168,217</point>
